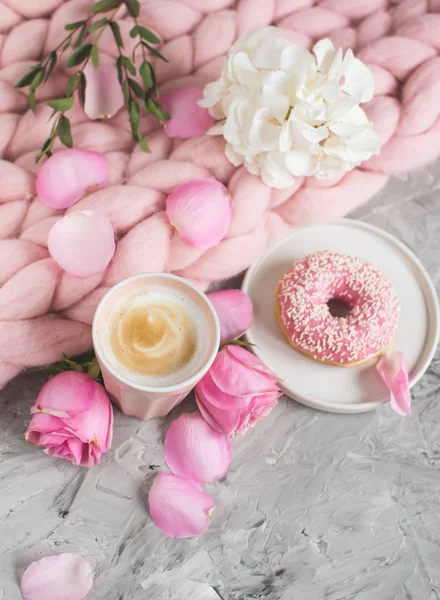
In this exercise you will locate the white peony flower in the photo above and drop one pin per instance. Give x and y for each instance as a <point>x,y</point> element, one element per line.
<point>285,112</point>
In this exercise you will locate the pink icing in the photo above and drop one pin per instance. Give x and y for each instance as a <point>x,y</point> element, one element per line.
<point>305,317</point>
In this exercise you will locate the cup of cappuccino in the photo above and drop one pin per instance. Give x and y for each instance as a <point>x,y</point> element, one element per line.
<point>155,335</point>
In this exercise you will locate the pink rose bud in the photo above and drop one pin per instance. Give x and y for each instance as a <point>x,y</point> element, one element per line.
<point>187,118</point>
<point>72,419</point>
<point>237,391</point>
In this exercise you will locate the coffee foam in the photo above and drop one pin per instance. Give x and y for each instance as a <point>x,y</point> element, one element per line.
<point>161,296</point>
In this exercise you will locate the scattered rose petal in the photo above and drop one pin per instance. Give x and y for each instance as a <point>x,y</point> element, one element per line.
<point>201,211</point>
<point>394,372</point>
<point>103,91</point>
<point>179,507</point>
<point>61,577</point>
<point>82,243</point>
<point>235,312</point>
<point>188,119</point>
<point>193,449</point>
<point>65,177</point>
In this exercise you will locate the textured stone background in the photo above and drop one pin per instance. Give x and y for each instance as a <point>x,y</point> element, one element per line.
<point>314,506</point>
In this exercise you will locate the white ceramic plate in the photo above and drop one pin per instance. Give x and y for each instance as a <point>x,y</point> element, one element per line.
<point>328,387</point>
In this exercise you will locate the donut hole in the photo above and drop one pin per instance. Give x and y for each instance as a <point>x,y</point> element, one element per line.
<point>338,308</point>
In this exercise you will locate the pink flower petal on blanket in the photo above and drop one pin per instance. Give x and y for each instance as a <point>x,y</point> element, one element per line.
<point>394,372</point>
<point>188,119</point>
<point>103,92</point>
<point>61,577</point>
<point>193,449</point>
<point>82,243</point>
<point>65,177</point>
<point>201,211</point>
<point>179,507</point>
<point>235,312</point>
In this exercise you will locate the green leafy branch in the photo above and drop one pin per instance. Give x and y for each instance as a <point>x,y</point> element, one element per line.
<point>84,50</point>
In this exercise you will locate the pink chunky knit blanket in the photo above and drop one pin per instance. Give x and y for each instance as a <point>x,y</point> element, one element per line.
<point>44,311</point>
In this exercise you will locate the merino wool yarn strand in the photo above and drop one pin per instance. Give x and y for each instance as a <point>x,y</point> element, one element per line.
<point>45,311</point>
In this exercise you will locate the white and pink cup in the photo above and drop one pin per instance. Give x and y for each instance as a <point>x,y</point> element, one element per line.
<point>147,401</point>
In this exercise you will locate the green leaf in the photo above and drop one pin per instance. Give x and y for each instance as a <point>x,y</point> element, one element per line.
<point>117,33</point>
<point>145,34</point>
<point>136,87</point>
<point>29,77</point>
<point>153,107</point>
<point>95,57</point>
<point>62,104</point>
<point>74,366</point>
<point>132,7</point>
<point>51,65</point>
<point>81,36</point>
<point>105,6</point>
<point>119,69</point>
<point>79,55</point>
<point>126,62</point>
<point>125,92</point>
<point>38,79</point>
<point>75,25</point>
<point>64,131</point>
<point>154,51</point>
<point>147,73</point>
<point>98,24</point>
<point>135,114</point>
<point>94,369</point>
<point>31,100</point>
<point>46,149</point>
<point>72,84</point>
<point>82,89</point>
<point>143,145</point>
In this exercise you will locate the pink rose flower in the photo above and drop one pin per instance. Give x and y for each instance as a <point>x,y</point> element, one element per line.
<point>72,419</point>
<point>237,391</point>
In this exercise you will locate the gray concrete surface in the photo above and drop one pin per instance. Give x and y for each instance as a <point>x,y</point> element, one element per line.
<point>315,506</point>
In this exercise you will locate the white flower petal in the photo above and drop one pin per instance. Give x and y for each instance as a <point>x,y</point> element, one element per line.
<point>324,52</point>
<point>285,112</point>
<point>357,79</point>
<point>299,162</point>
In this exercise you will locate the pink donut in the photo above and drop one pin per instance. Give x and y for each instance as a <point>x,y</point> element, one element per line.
<point>305,318</point>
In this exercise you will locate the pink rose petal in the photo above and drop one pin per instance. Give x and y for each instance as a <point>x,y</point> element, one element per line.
<point>240,381</point>
<point>179,507</point>
<point>235,312</point>
<point>193,449</point>
<point>201,211</point>
<point>103,91</point>
<point>66,395</point>
<point>394,372</point>
<point>188,119</point>
<point>61,577</point>
<point>82,243</point>
<point>64,177</point>
<point>226,421</point>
